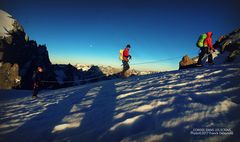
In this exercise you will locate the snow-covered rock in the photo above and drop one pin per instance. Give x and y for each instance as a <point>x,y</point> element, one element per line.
<point>83,67</point>
<point>9,27</point>
<point>6,23</point>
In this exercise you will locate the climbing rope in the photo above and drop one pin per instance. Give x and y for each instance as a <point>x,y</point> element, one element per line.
<point>75,81</point>
<point>156,61</point>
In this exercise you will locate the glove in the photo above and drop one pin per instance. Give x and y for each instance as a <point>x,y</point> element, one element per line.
<point>129,56</point>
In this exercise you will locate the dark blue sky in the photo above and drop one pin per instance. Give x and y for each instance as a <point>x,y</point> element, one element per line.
<point>93,31</point>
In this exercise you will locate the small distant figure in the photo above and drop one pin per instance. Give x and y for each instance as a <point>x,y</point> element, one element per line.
<point>125,60</point>
<point>37,77</point>
<point>206,47</point>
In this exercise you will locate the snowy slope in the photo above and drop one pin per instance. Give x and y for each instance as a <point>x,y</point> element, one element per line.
<point>170,106</point>
<point>218,58</point>
<point>6,23</point>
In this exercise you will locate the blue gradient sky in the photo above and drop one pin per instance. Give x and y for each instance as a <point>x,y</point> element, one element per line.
<point>93,31</point>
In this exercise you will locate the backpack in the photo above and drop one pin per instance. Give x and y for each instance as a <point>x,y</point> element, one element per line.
<point>121,55</point>
<point>201,39</point>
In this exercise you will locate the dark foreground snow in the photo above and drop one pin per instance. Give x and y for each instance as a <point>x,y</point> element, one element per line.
<point>199,104</point>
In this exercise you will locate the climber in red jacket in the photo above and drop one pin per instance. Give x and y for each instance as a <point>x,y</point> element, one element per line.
<point>37,78</point>
<point>125,60</point>
<point>208,41</point>
<point>207,49</point>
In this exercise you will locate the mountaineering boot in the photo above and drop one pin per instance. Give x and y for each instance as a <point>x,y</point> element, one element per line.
<point>34,96</point>
<point>199,65</point>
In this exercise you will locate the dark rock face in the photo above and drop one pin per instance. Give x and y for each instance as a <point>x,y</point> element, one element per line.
<point>68,75</point>
<point>187,62</point>
<point>65,76</point>
<point>28,58</point>
<point>20,57</point>
<point>95,74</point>
<point>229,43</point>
<point>9,76</point>
<point>94,71</point>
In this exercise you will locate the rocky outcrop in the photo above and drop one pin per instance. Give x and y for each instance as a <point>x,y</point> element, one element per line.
<point>19,53</point>
<point>64,76</point>
<point>230,43</point>
<point>68,75</point>
<point>9,76</point>
<point>187,62</point>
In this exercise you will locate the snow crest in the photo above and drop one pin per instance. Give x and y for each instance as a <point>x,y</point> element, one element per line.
<point>6,23</point>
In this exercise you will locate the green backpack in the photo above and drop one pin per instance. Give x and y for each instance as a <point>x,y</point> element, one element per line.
<point>200,42</point>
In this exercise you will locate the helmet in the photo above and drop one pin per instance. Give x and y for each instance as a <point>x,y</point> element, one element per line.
<point>128,45</point>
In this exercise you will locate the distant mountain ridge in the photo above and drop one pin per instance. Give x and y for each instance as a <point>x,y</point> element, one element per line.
<point>108,70</point>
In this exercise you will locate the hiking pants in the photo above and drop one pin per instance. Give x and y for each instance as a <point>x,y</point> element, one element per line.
<point>125,66</point>
<point>204,50</point>
<point>35,91</point>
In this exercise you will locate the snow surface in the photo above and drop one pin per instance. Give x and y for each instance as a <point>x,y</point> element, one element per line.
<point>159,107</point>
<point>6,23</point>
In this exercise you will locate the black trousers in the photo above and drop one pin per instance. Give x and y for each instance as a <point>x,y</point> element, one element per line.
<point>204,50</point>
<point>35,91</point>
<point>125,66</point>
